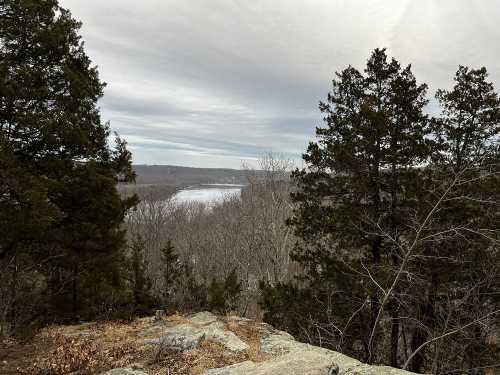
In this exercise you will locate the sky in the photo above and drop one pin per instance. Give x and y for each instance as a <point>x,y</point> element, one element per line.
<point>212,83</point>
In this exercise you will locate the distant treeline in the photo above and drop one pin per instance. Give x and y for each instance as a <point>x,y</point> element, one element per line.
<point>182,176</point>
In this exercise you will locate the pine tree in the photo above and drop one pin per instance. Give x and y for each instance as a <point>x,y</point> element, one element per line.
<point>468,127</point>
<point>232,290</point>
<point>359,178</point>
<point>397,223</point>
<point>171,269</point>
<point>51,131</point>
<point>456,268</point>
<point>141,284</point>
<point>223,295</point>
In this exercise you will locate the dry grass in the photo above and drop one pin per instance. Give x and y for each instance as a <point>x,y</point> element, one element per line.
<point>251,334</point>
<point>93,348</point>
<point>87,349</point>
<point>209,355</point>
<point>176,319</point>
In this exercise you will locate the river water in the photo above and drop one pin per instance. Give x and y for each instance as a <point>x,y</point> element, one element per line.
<point>209,194</point>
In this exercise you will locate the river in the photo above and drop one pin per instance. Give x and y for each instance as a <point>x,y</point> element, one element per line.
<point>208,193</point>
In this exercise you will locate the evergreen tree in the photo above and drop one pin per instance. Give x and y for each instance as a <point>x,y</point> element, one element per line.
<point>195,293</point>
<point>52,134</point>
<point>457,266</point>
<point>223,295</point>
<point>397,223</point>
<point>141,284</point>
<point>172,272</point>
<point>359,178</point>
<point>468,127</point>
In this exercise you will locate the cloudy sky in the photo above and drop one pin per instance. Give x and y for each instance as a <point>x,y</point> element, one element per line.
<point>213,82</point>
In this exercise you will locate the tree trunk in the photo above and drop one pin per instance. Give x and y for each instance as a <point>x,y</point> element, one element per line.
<point>375,301</point>
<point>75,291</point>
<point>394,335</point>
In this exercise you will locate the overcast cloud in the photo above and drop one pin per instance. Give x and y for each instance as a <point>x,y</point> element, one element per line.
<point>211,83</point>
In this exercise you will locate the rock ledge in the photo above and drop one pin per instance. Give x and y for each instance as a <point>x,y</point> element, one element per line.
<point>281,353</point>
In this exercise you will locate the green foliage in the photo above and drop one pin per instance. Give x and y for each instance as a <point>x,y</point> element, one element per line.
<point>172,273</point>
<point>458,265</point>
<point>59,202</point>
<point>223,295</point>
<point>360,172</point>
<point>375,173</point>
<point>26,213</point>
<point>287,305</point>
<point>196,293</point>
<point>468,128</point>
<point>141,284</point>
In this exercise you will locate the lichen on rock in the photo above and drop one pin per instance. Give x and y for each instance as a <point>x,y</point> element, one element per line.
<point>203,326</point>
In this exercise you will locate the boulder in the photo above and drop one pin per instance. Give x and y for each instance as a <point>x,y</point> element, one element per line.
<point>187,336</point>
<point>181,337</point>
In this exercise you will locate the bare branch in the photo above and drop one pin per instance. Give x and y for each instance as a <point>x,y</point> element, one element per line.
<point>477,321</point>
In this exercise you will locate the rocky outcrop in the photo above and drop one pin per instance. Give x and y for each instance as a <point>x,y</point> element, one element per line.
<point>308,363</point>
<point>290,357</point>
<point>182,337</point>
<point>189,335</point>
<point>279,352</point>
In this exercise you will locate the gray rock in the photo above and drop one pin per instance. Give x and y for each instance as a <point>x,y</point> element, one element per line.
<point>186,336</point>
<point>154,330</point>
<point>181,337</point>
<point>307,361</point>
<point>228,339</point>
<point>124,371</point>
<point>279,343</point>
<point>203,318</point>
<point>293,357</point>
<point>284,335</point>
<point>236,369</point>
<point>289,357</point>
